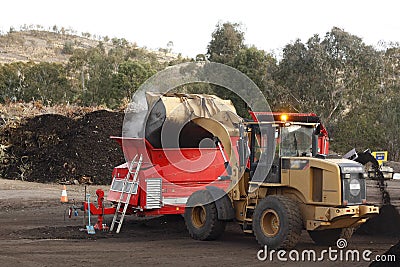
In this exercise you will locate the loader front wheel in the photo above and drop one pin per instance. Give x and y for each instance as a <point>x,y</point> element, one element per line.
<point>201,217</point>
<point>277,222</point>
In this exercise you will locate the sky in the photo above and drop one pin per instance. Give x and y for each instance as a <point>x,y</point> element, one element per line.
<point>268,25</point>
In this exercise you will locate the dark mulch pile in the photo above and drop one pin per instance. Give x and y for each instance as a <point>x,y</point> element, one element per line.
<point>386,223</point>
<point>54,148</point>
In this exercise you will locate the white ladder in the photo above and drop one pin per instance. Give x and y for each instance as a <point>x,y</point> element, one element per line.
<point>119,215</point>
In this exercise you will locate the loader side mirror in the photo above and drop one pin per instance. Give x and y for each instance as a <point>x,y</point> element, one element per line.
<point>243,146</point>
<point>243,150</point>
<point>314,148</point>
<point>317,130</point>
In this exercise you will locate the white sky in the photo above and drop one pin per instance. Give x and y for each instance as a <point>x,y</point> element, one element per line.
<point>268,25</point>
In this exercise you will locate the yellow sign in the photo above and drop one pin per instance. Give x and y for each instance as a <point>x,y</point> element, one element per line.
<point>380,156</point>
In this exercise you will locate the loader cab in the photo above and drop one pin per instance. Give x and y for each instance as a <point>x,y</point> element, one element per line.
<point>286,136</point>
<point>295,140</point>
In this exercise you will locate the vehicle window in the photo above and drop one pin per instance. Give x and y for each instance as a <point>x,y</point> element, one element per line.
<point>296,140</point>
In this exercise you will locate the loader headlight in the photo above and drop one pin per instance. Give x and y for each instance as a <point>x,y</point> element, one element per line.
<point>352,169</point>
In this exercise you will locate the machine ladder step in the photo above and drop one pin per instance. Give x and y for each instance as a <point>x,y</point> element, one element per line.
<point>248,218</point>
<point>120,214</point>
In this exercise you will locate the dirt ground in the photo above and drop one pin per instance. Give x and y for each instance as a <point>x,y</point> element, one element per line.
<point>34,232</point>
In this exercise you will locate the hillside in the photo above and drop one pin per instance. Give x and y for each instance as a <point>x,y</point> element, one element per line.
<point>45,46</point>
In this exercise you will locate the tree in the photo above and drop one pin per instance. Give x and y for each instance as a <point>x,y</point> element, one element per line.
<point>131,74</point>
<point>227,47</point>
<point>389,109</point>
<point>92,70</point>
<point>34,81</point>
<point>68,48</point>
<point>324,75</point>
<point>170,46</point>
<point>12,81</point>
<point>105,78</point>
<point>226,42</point>
<point>47,82</point>
<point>259,66</point>
<point>336,77</point>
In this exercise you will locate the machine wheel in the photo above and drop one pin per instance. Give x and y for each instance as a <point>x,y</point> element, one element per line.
<point>329,237</point>
<point>277,222</point>
<point>201,217</point>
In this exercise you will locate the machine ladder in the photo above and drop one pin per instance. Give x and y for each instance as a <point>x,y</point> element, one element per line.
<point>128,189</point>
<point>248,218</point>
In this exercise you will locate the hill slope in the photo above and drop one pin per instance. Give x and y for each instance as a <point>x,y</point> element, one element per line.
<point>45,46</point>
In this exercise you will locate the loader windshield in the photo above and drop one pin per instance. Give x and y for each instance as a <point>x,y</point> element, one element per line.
<point>296,140</point>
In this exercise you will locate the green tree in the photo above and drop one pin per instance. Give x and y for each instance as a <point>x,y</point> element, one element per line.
<point>106,77</point>
<point>47,82</point>
<point>335,77</point>
<point>389,108</point>
<point>93,71</point>
<point>227,47</point>
<point>99,75</point>
<point>130,75</point>
<point>68,48</point>
<point>259,66</point>
<point>226,42</point>
<point>12,81</point>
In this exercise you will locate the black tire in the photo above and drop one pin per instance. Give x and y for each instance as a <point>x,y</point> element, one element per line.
<point>277,222</point>
<point>347,233</point>
<point>329,237</point>
<point>201,217</point>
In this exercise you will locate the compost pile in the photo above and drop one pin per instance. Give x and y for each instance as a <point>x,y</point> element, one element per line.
<point>57,148</point>
<point>386,223</point>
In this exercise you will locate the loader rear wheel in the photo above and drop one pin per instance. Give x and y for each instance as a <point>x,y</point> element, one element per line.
<point>277,222</point>
<point>201,217</point>
<point>329,237</point>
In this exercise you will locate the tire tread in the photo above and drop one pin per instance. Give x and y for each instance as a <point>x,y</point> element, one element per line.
<point>295,222</point>
<point>216,227</point>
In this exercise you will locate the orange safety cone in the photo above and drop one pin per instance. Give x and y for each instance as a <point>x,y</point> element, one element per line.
<point>64,197</point>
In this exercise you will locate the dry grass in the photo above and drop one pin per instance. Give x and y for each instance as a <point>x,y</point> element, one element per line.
<point>17,110</point>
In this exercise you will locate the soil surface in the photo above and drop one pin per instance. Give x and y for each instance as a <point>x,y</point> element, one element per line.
<point>34,232</point>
